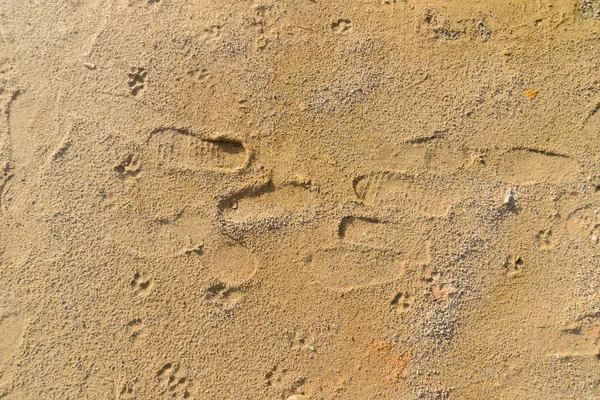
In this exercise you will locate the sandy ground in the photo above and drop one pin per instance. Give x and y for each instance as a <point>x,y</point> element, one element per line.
<point>339,199</point>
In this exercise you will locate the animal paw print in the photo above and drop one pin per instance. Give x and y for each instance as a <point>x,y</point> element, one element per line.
<point>126,392</point>
<point>137,80</point>
<point>514,266</point>
<point>402,302</point>
<point>212,33</point>
<point>130,166</point>
<point>440,25</point>
<point>303,342</point>
<point>544,239</point>
<point>223,297</point>
<point>141,285</point>
<point>172,383</point>
<point>135,328</point>
<point>444,291</point>
<point>261,23</point>
<point>282,382</point>
<point>274,376</point>
<point>440,290</point>
<point>429,275</point>
<point>201,74</point>
<point>341,26</point>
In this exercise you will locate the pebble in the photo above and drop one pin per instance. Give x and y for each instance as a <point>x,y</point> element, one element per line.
<point>509,199</point>
<point>298,397</point>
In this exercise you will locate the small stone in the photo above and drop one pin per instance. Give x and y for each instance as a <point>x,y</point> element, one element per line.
<point>509,199</point>
<point>298,397</point>
<point>531,94</point>
<point>195,249</point>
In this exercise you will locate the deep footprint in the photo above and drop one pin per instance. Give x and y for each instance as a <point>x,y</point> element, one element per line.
<point>268,202</point>
<point>184,150</point>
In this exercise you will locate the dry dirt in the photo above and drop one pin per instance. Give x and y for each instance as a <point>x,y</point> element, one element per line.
<point>336,199</point>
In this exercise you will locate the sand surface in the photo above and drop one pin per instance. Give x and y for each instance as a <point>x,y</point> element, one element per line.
<point>335,199</point>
